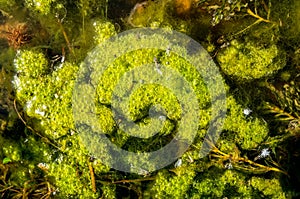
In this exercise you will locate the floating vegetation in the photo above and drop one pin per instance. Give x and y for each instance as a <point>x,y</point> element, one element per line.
<point>43,45</point>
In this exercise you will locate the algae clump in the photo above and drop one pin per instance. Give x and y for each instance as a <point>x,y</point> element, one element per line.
<point>51,147</point>
<point>249,58</point>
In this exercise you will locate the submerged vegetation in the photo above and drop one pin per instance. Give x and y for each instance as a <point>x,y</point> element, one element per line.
<point>255,44</point>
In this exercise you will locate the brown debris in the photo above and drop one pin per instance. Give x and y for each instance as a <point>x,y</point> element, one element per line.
<point>183,7</point>
<point>16,33</point>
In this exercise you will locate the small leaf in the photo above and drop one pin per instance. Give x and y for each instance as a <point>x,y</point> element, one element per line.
<point>6,160</point>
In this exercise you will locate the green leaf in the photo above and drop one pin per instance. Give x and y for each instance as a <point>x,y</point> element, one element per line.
<point>6,160</point>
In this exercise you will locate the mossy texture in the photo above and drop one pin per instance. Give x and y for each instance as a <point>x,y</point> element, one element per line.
<point>41,6</point>
<point>248,59</point>
<point>248,160</point>
<point>47,96</point>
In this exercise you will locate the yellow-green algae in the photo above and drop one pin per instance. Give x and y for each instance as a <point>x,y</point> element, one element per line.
<point>254,56</point>
<point>47,97</point>
<point>45,92</point>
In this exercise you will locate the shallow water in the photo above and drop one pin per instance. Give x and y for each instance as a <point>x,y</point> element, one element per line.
<point>249,94</point>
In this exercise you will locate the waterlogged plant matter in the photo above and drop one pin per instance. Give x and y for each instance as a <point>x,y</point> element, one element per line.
<point>42,6</point>
<point>16,34</point>
<point>247,59</point>
<point>20,175</point>
<point>157,14</point>
<point>222,10</point>
<point>200,178</point>
<point>46,157</point>
<point>7,116</point>
<point>47,95</point>
<point>286,108</point>
<point>103,31</point>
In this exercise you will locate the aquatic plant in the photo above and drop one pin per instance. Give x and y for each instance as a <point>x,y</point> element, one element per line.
<point>223,10</point>
<point>47,96</point>
<point>7,115</point>
<point>215,182</point>
<point>247,59</point>
<point>7,7</point>
<point>41,6</point>
<point>158,14</point>
<point>45,156</point>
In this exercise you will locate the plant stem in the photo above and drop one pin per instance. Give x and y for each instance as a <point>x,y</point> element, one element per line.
<point>257,16</point>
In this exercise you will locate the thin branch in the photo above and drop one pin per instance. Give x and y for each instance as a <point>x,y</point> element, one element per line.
<point>221,155</point>
<point>92,174</point>
<point>248,27</point>
<point>134,180</point>
<point>257,16</point>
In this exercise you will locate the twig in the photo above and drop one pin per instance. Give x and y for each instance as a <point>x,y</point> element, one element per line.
<point>7,188</point>
<point>248,27</point>
<point>92,174</point>
<point>134,180</point>
<point>225,156</point>
<point>257,16</point>
<point>66,37</point>
<point>267,8</point>
<point>20,117</point>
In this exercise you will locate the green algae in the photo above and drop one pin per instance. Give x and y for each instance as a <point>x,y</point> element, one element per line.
<point>252,60</point>
<point>44,89</point>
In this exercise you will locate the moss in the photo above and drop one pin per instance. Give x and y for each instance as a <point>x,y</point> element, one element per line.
<point>246,131</point>
<point>41,6</point>
<point>46,95</point>
<point>25,66</point>
<point>25,155</point>
<point>11,150</point>
<point>214,183</point>
<point>45,89</point>
<point>7,7</point>
<point>232,184</point>
<point>69,180</point>
<point>37,88</point>
<point>269,187</point>
<point>103,31</point>
<point>167,185</point>
<point>248,59</point>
